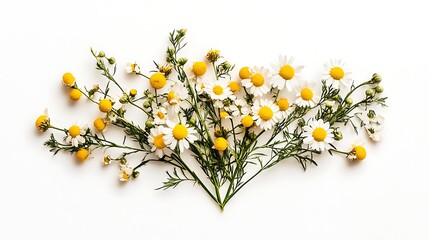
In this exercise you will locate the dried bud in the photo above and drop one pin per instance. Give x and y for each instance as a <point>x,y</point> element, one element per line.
<point>112,60</point>
<point>379,89</point>
<point>376,78</point>
<point>165,68</point>
<point>182,61</point>
<point>149,124</point>
<point>370,92</point>
<point>301,122</point>
<point>349,101</point>
<point>213,55</point>
<point>146,104</point>
<point>338,135</point>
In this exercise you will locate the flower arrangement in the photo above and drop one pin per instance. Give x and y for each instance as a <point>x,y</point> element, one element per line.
<point>232,125</point>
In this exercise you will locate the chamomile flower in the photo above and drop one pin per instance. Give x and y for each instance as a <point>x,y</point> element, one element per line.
<point>125,172</point>
<point>318,135</point>
<point>258,83</point>
<point>68,79</point>
<point>266,113</point>
<point>159,115</point>
<point>284,107</point>
<point>218,90</point>
<point>43,122</point>
<point>74,135</point>
<point>176,97</point>
<point>336,74</point>
<point>234,86</point>
<point>370,116</point>
<point>82,154</point>
<point>132,67</point>
<point>156,139</point>
<point>178,133</point>
<point>306,95</point>
<point>199,68</point>
<point>358,151</point>
<point>286,74</point>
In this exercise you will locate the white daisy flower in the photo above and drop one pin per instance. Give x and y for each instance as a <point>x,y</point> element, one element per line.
<point>240,107</point>
<point>159,115</point>
<point>218,104</point>
<point>335,74</point>
<point>259,82</point>
<point>284,107</point>
<point>178,133</point>
<point>306,95</point>
<point>74,135</point>
<point>176,97</point>
<point>318,135</point>
<point>266,113</point>
<point>132,67</point>
<point>156,139</point>
<point>217,90</point>
<point>286,74</point>
<point>125,172</point>
<point>373,130</point>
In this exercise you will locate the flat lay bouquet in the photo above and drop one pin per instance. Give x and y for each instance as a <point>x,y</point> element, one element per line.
<point>217,125</point>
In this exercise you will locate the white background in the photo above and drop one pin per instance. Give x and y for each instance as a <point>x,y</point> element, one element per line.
<point>46,197</point>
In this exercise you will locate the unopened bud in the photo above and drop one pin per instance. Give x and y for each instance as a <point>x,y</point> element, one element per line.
<point>136,174</point>
<point>370,92</point>
<point>101,54</point>
<point>182,61</point>
<point>146,104</point>
<point>338,135</point>
<point>112,60</point>
<point>376,78</point>
<point>301,122</point>
<point>349,101</point>
<point>192,121</point>
<point>379,89</point>
<point>371,114</point>
<point>149,124</point>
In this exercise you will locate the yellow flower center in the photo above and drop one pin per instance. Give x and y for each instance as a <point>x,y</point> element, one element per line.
<point>160,114</point>
<point>283,104</point>
<point>257,80</point>
<point>247,121</point>
<point>220,144</point>
<point>124,176</point>
<point>337,73</point>
<point>133,67</point>
<point>157,80</point>
<point>234,86</point>
<point>218,90</point>
<point>287,72</point>
<point>75,94</point>
<point>68,79</point>
<point>360,152</point>
<point>223,115</point>
<point>158,141</point>
<point>105,105</point>
<point>265,113</point>
<point>41,120</point>
<point>244,73</point>
<point>170,97</point>
<point>99,124</point>
<point>199,68</point>
<point>74,131</point>
<point>180,132</point>
<point>82,154</point>
<point>133,92</point>
<point>306,94</point>
<point>319,134</point>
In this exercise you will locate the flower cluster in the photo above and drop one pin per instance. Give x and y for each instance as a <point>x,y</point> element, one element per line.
<point>226,119</point>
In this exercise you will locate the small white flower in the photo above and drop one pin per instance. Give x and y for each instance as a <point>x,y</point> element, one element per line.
<point>373,130</point>
<point>156,139</point>
<point>240,107</point>
<point>74,135</point>
<point>176,97</point>
<point>286,74</point>
<point>125,172</point>
<point>318,135</point>
<point>259,82</point>
<point>335,74</point>
<point>370,116</point>
<point>159,115</point>
<point>178,133</point>
<point>217,90</point>
<point>266,113</point>
<point>306,95</point>
<point>132,67</point>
